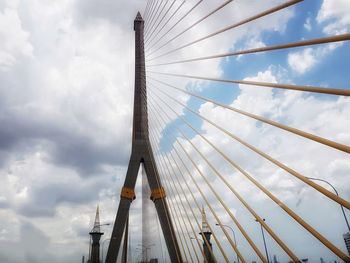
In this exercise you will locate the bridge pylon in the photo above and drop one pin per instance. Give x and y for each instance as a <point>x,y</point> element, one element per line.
<point>142,154</point>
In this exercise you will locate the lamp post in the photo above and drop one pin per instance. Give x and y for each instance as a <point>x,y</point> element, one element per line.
<point>103,242</point>
<point>134,255</point>
<point>234,236</point>
<point>146,248</point>
<point>263,235</point>
<point>336,192</point>
<point>139,255</point>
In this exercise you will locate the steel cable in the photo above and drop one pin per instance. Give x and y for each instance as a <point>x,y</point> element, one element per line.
<point>144,93</point>
<point>153,19</point>
<point>194,24</point>
<point>315,89</point>
<point>316,41</point>
<point>271,232</point>
<point>184,180</point>
<point>220,247</point>
<point>177,9</point>
<point>304,134</point>
<point>150,13</point>
<point>183,17</point>
<point>154,26</point>
<point>164,167</point>
<point>213,235</point>
<point>150,37</point>
<point>290,212</point>
<point>222,203</point>
<point>250,19</point>
<point>304,179</point>
<point>145,14</point>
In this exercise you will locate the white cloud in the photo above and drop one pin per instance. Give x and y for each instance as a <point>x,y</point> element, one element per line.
<point>305,60</point>
<point>14,40</point>
<point>307,24</point>
<point>296,110</point>
<point>335,19</point>
<point>78,83</point>
<point>246,36</point>
<point>253,99</point>
<point>287,107</point>
<point>335,16</point>
<point>66,117</point>
<point>302,61</point>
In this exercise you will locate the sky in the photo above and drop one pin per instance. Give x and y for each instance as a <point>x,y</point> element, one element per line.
<point>66,94</point>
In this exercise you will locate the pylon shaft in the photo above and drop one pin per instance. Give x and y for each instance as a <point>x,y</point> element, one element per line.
<point>142,153</point>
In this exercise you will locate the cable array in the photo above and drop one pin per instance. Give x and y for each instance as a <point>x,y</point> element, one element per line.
<point>188,174</point>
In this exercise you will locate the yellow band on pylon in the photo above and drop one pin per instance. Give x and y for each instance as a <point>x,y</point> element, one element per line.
<point>128,193</point>
<point>157,193</point>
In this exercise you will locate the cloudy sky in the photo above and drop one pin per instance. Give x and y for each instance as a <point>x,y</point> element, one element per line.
<point>66,91</point>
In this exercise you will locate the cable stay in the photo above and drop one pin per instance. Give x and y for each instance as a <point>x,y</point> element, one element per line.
<point>308,227</point>
<point>317,41</point>
<point>304,134</point>
<point>182,18</point>
<point>147,48</point>
<point>245,21</point>
<point>193,25</point>
<point>315,89</point>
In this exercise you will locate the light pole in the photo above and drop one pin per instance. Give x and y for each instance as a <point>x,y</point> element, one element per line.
<point>146,248</point>
<point>234,237</point>
<point>139,255</point>
<point>140,250</point>
<point>103,242</point>
<point>336,192</point>
<point>263,235</point>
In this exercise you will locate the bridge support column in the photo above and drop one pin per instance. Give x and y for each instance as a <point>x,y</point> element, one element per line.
<point>142,153</point>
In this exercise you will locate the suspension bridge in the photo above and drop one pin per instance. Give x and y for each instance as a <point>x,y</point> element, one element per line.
<point>199,164</point>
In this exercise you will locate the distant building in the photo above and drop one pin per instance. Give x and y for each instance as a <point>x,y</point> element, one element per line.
<point>153,260</point>
<point>322,261</point>
<point>346,237</point>
<point>275,259</point>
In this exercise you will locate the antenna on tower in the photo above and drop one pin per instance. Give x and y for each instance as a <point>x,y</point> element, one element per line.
<point>205,228</point>
<point>97,225</point>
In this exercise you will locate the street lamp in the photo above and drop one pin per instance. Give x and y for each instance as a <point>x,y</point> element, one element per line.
<point>146,248</point>
<point>103,242</point>
<point>140,250</point>
<point>263,235</point>
<point>139,255</point>
<point>336,192</point>
<point>234,237</point>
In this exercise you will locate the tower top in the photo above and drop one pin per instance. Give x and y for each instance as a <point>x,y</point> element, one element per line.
<point>97,225</point>
<point>138,21</point>
<point>205,228</point>
<point>138,17</point>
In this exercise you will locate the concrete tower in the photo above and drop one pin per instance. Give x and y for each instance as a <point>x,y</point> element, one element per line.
<point>206,234</point>
<point>95,237</point>
<point>141,153</point>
